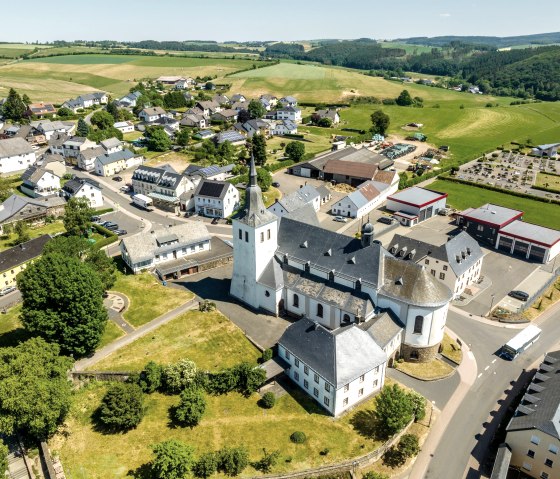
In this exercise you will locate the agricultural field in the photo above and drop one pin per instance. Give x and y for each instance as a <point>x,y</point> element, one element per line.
<point>15,50</point>
<point>408,47</point>
<point>463,196</point>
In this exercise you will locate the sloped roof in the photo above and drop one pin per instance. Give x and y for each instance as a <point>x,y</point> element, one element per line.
<point>15,203</point>
<point>350,168</point>
<point>212,189</point>
<point>13,147</point>
<point>107,159</point>
<point>23,253</point>
<point>111,143</point>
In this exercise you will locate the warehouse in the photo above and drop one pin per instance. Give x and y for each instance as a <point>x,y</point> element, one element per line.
<point>529,241</point>
<point>484,223</point>
<point>414,205</point>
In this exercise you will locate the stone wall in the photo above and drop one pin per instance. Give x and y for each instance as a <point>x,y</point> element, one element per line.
<point>421,355</point>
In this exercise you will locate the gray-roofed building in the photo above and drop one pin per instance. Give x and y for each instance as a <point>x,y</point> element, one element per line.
<point>306,195</point>
<point>194,120</point>
<point>86,101</point>
<point>483,223</point>
<point>86,157</point>
<point>216,199</point>
<point>74,146</point>
<point>31,210</point>
<point>16,154</point>
<point>151,114</point>
<point>338,368</point>
<point>84,188</point>
<point>49,128</point>
<point>14,260</point>
<point>163,184</point>
<point>533,433</point>
<point>456,260</point>
<point>54,163</point>
<point>110,164</point>
<point>532,242</point>
<point>150,249</point>
<point>56,143</point>
<point>233,137</point>
<point>330,114</point>
<point>38,181</point>
<point>502,462</point>
<point>417,204</point>
<point>110,145</point>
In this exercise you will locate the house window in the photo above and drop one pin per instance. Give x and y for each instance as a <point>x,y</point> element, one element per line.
<point>536,440</point>
<point>553,449</point>
<point>427,261</point>
<point>346,387</point>
<point>444,267</point>
<point>433,271</point>
<point>315,392</point>
<point>305,384</point>
<point>296,301</point>
<point>548,462</point>
<point>240,234</point>
<point>296,375</point>
<point>287,354</point>
<point>442,276</point>
<point>375,383</point>
<point>327,387</point>
<point>262,236</point>
<point>296,362</point>
<point>418,324</point>
<point>345,402</point>
<point>268,234</point>
<point>246,236</point>
<point>320,310</point>
<point>326,401</point>
<point>306,370</point>
<point>527,466</point>
<point>361,392</point>
<point>544,475</point>
<point>480,228</point>
<point>362,377</point>
<point>531,453</point>
<point>316,378</point>
<point>377,368</point>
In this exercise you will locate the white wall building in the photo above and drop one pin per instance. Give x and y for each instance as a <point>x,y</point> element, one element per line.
<point>16,154</point>
<point>306,195</point>
<point>124,126</point>
<point>84,188</point>
<point>414,205</point>
<point>216,199</point>
<point>40,182</point>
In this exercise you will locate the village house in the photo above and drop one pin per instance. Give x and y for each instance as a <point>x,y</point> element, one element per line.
<point>129,101</point>
<point>288,101</point>
<point>151,114</point>
<point>238,98</point>
<point>39,181</point>
<point>208,108</point>
<point>234,137</point>
<point>84,188</point>
<point>54,163</point>
<point>216,199</point>
<point>112,145</point>
<point>289,113</point>
<point>86,158</point>
<point>184,84</point>
<point>56,143</point>
<point>124,126</point>
<point>253,127</point>
<point>75,145</point>
<point>110,164</point>
<point>86,101</point>
<point>29,133</point>
<point>329,113</point>
<point>40,109</point>
<point>16,154</point>
<point>163,184</point>
<point>31,210</point>
<point>50,128</point>
<point>306,195</point>
<point>225,116</point>
<point>283,127</point>
<point>193,120</point>
<point>221,100</point>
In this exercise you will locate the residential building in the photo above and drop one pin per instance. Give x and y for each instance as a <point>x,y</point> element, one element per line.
<point>84,188</point>
<point>329,113</point>
<point>129,101</point>
<point>216,199</point>
<point>56,143</point>
<point>289,113</point>
<point>124,126</point>
<point>213,172</point>
<point>50,128</point>
<point>254,127</point>
<point>208,108</point>
<point>112,145</point>
<point>163,184</point>
<point>39,181</point>
<point>147,250</point>
<point>283,127</point>
<point>86,101</point>
<point>184,84</point>
<point>31,210</point>
<point>151,114</point>
<point>225,116</point>
<point>75,145</point>
<point>233,137</point>
<point>86,158</point>
<point>16,154</point>
<point>28,133</point>
<point>533,432</point>
<point>193,120</point>
<point>306,195</point>
<point>221,100</point>
<point>110,164</point>
<point>238,98</point>
<point>14,260</point>
<point>54,163</point>
<point>288,101</point>
<point>456,261</point>
<point>40,109</point>
<point>414,205</point>
<point>268,101</point>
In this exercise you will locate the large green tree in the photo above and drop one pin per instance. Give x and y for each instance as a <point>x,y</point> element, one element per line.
<point>14,108</point>
<point>191,408</point>
<point>295,150</point>
<point>264,179</point>
<point>404,99</point>
<point>4,458</point>
<point>82,129</point>
<point>258,146</point>
<point>104,266</point>
<point>35,393</point>
<point>122,407</point>
<point>172,460</point>
<point>77,216</point>
<point>113,110</point>
<point>63,302</point>
<point>68,245</point>
<point>102,119</point>
<point>380,122</point>
<point>158,139</point>
<point>394,408</point>
<point>182,137</point>
<point>22,231</point>
<point>256,109</point>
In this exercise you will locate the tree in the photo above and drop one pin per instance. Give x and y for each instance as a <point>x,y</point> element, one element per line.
<point>325,122</point>
<point>122,407</point>
<point>419,405</point>
<point>191,408</point>
<point>179,376</point>
<point>182,137</point>
<point>379,122</point>
<point>209,86</point>
<point>225,152</point>
<point>267,462</point>
<point>173,460</point>
<point>375,475</point>
<point>68,245</point>
<point>26,100</point>
<point>14,108</point>
<point>258,146</point>
<point>62,302</point>
<point>243,116</point>
<point>295,150</point>
<point>264,179</point>
<point>394,409</point>
<point>3,458</point>
<point>174,99</point>
<point>64,112</point>
<point>35,394</point>
<point>404,99</point>
<point>77,216</point>
<point>233,460</point>
<point>158,139</point>
<point>407,447</point>
<point>256,109</point>
<point>113,110</point>
<point>22,231</point>
<point>100,135</point>
<point>82,129</point>
<point>104,266</point>
<point>102,119</point>
<point>206,465</point>
<point>150,379</point>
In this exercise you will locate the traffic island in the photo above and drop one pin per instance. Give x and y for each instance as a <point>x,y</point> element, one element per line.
<point>427,371</point>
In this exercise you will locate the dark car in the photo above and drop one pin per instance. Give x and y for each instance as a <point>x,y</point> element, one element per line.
<point>520,295</point>
<point>276,184</point>
<point>121,232</point>
<point>96,219</point>
<point>117,178</point>
<point>386,220</point>
<point>215,221</point>
<point>110,225</point>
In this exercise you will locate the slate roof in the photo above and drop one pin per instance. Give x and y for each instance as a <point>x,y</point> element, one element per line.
<point>111,143</point>
<point>362,155</point>
<point>15,203</point>
<point>33,174</point>
<point>163,176</point>
<point>339,357</point>
<point>493,214</point>
<point>58,139</point>
<point>212,189</point>
<point>92,153</point>
<point>540,407</point>
<point>153,111</point>
<point>534,233</point>
<point>107,159</point>
<point>323,191</point>
<point>74,185</point>
<point>350,168</point>
<point>383,328</point>
<point>22,253</point>
<point>14,147</point>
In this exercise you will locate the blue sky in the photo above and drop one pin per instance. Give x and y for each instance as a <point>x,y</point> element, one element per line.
<point>272,20</point>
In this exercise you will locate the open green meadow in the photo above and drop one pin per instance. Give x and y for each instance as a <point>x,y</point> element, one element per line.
<point>463,196</point>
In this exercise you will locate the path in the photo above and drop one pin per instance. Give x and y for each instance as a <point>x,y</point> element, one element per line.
<point>116,303</point>
<point>102,353</point>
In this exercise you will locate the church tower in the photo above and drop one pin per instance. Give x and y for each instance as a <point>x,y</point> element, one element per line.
<point>254,244</point>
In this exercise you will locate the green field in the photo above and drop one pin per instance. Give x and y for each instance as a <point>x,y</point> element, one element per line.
<point>409,48</point>
<point>466,196</point>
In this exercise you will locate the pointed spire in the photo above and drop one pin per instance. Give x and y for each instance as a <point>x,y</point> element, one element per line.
<point>252,172</point>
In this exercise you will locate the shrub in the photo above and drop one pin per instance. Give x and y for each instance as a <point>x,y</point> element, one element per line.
<point>233,460</point>
<point>298,437</point>
<point>121,407</point>
<point>191,408</point>
<point>408,445</point>
<point>324,451</point>
<point>419,404</point>
<point>151,377</point>
<point>179,376</point>
<point>268,400</point>
<point>173,460</point>
<point>206,306</point>
<point>267,462</point>
<point>374,475</point>
<point>206,465</point>
<point>394,409</point>
<point>267,355</point>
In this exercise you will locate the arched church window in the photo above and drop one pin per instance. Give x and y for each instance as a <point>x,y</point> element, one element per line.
<point>320,310</point>
<point>418,324</point>
<point>346,318</point>
<point>296,301</point>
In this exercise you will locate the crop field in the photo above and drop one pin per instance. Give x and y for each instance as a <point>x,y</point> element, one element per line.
<point>14,50</point>
<point>409,48</point>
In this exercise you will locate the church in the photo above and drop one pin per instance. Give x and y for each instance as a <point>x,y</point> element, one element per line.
<point>360,307</point>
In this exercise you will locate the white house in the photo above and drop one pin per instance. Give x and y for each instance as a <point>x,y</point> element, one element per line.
<point>288,101</point>
<point>238,98</point>
<point>289,113</point>
<point>163,184</point>
<point>124,126</point>
<point>198,121</point>
<point>75,145</point>
<point>129,101</point>
<point>184,84</point>
<point>306,195</point>
<point>16,154</point>
<point>86,101</point>
<point>329,113</point>
<point>112,145</point>
<point>216,199</point>
<point>150,249</point>
<point>51,128</point>
<point>149,115</point>
<point>283,127</point>
<point>40,182</point>
<point>84,188</point>
<point>86,158</point>
<point>110,164</point>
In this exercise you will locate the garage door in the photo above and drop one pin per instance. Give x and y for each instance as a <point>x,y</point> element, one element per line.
<point>520,249</point>
<point>505,244</point>
<point>537,254</point>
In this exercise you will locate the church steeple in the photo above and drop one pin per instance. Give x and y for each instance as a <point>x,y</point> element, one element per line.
<point>252,172</point>
<point>254,212</point>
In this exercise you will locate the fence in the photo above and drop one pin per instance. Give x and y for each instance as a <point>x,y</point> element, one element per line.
<point>527,304</point>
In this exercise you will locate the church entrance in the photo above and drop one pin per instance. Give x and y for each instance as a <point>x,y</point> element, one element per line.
<point>281,310</point>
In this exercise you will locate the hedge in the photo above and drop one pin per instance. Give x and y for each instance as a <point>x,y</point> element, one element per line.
<point>354,130</point>
<point>103,211</point>
<point>279,165</point>
<point>110,236</point>
<point>544,188</point>
<point>296,136</point>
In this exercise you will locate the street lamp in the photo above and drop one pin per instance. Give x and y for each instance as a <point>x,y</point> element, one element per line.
<point>491,304</point>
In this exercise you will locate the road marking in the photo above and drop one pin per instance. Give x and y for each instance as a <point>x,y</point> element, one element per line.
<point>493,361</point>
<point>486,368</point>
<point>479,375</point>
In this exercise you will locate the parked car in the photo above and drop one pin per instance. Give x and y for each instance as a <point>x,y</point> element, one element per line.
<point>215,221</point>
<point>110,225</point>
<point>520,295</point>
<point>117,178</point>
<point>276,184</point>
<point>8,290</point>
<point>386,220</point>
<point>121,232</point>
<point>124,189</point>
<point>340,219</point>
<point>96,219</point>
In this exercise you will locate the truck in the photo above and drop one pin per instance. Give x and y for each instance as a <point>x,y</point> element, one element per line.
<point>520,342</point>
<point>143,202</point>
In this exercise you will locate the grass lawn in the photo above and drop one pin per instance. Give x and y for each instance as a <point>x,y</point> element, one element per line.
<point>451,349</point>
<point>193,335</point>
<point>229,420</point>
<point>434,369</point>
<point>112,332</point>
<point>148,298</point>
<point>11,330</point>
<point>464,196</point>
<point>133,135</point>
<point>550,297</point>
<point>7,241</point>
<point>270,196</point>
<point>548,181</point>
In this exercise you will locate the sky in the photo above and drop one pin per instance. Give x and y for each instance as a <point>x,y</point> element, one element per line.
<point>245,20</point>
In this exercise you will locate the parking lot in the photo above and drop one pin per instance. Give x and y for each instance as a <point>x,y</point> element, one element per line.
<point>511,171</point>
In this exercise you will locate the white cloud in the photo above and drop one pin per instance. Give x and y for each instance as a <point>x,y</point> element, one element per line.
<point>445,14</point>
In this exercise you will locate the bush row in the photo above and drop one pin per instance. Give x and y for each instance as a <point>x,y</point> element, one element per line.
<point>279,165</point>
<point>110,236</point>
